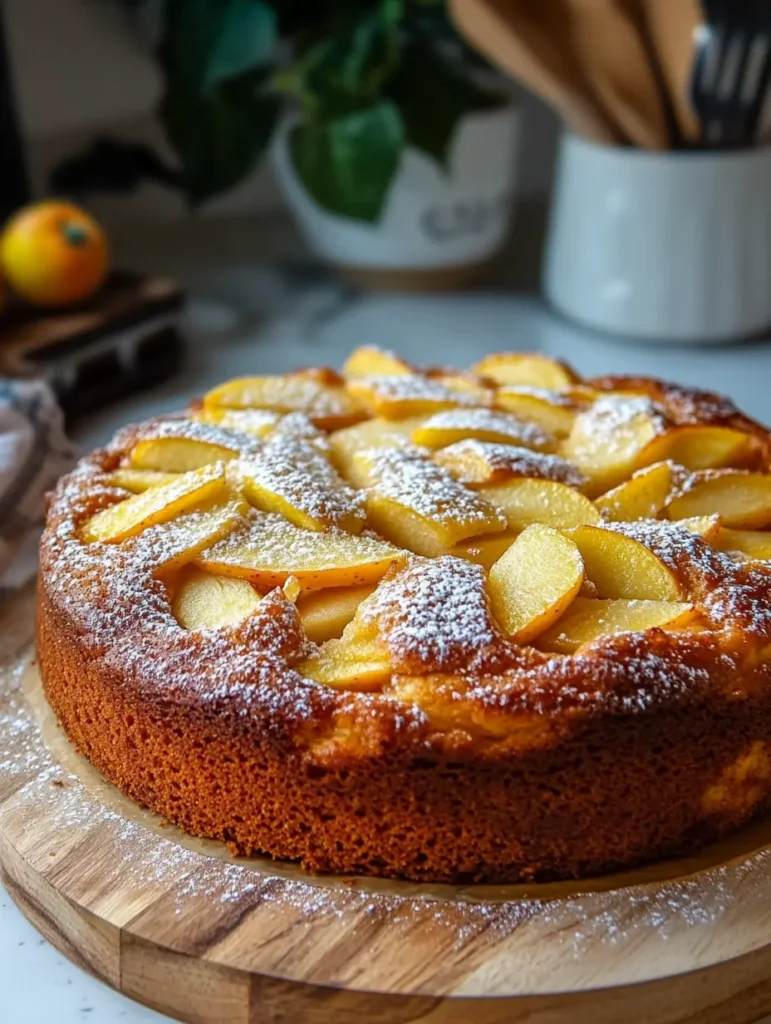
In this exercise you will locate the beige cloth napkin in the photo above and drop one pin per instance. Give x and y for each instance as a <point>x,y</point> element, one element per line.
<point>34,453</point>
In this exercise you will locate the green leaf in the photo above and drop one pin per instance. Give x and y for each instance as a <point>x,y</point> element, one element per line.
<point>247,33</point>
<point>220,136</point>
<point>348,164</point>
<point>433,97</point>
<point>345,69</point>
<point>206,42</point>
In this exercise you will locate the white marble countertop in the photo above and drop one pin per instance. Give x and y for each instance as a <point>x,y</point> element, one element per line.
<point>251,317</point>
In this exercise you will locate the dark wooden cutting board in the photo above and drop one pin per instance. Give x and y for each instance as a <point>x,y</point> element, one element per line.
<point>128,337</point>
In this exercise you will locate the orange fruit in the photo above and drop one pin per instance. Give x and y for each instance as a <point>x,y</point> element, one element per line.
<point>53,254</point>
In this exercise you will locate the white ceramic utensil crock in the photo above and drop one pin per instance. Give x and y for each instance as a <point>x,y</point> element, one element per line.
<point>663,246</point>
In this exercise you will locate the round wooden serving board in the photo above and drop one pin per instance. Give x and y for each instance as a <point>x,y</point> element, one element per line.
<point>177,924</point>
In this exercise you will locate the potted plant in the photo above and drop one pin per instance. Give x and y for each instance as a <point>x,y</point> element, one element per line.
<point>393,143</point>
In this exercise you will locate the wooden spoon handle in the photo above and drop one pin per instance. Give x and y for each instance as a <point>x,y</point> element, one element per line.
<point>673,25</point>
<point>616,63</point>
<point>509,35</point>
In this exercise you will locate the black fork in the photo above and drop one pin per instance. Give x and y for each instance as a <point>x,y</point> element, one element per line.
<point>732,71</point>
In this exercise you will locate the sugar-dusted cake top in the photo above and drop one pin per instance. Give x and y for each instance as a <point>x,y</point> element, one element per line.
<point>514,528</point>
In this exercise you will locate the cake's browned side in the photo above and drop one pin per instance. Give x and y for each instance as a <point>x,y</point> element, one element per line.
<point>524,766</point>
<point>616,790</point>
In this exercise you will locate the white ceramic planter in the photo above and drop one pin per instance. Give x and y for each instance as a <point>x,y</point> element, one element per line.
<point>433,220</point>
<point>662,246</point>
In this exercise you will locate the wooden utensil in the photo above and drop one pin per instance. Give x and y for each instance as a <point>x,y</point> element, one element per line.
<point>524,38</point>
<point>614,60</point>
<point>673,25</point>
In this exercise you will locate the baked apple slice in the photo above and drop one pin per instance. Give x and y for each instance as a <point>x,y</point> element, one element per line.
<point>138,480</point>
<point>754,544</point>
<point>700,446</point>
<point>476,463</point>
<point>608,438</point>
<point>467,383</point>
<point>741,499</point>
<point>374,433</point>
<point>269,549</point>
<point>621,567</point>
<point>417,504</point>
<point>371,361</point>
<point>531,369</point>
<point>327,404</point>
<point>178,454</point>
<point>294,479</point>
<point>156,505</point>
<point>326,613</point>
<point>204,601</point>
<point>255,422</point>
<point>534,582</point>
<point>450,426</point>
<point>395,397</point>
<point>484,551</point>
<point>587,619</point>
<point>553,412</point>
<point>643,496</point>
<point>706,527</point>
<point>528,501</point>
<point>169,546</point>
<point>357,661</point>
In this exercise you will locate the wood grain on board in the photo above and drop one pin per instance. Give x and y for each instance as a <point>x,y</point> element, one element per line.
<point>176,923</point>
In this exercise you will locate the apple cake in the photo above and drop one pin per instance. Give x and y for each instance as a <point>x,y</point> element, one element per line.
<point>493,625</point>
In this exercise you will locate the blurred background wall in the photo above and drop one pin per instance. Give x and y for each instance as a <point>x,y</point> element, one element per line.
<point>77,72</point>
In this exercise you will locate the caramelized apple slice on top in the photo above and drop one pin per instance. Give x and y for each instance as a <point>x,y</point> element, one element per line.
<point>741,499</point>
<point>402,395</point>
<point>548,502</point>
<point>588,619</point>
<point>292,478</point>
<point>527,368</point>
<point>534,582</point>
<point>156,505</point>
<point>269,549</point>
<point>418,505</point>
<point>621,567</point>
<point>327,404</point>
<point>204,601</point>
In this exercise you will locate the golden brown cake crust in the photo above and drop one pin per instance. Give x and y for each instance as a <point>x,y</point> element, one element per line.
<point>509,765</point>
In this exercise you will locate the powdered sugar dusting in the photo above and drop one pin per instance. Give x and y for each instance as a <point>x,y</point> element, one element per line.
<point>267,540</point>
<point>552,397</point>
<point>409,386</point>
<point>678,547</point>
<point>297,426</point>
<point>433,615</point>
<point>194,430</point>
<point>493,459</point>
<point>295,471</point>
<point>489,425</point>
<point>258,422</point>
<point>406,477</point>
<point>605,420</point>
